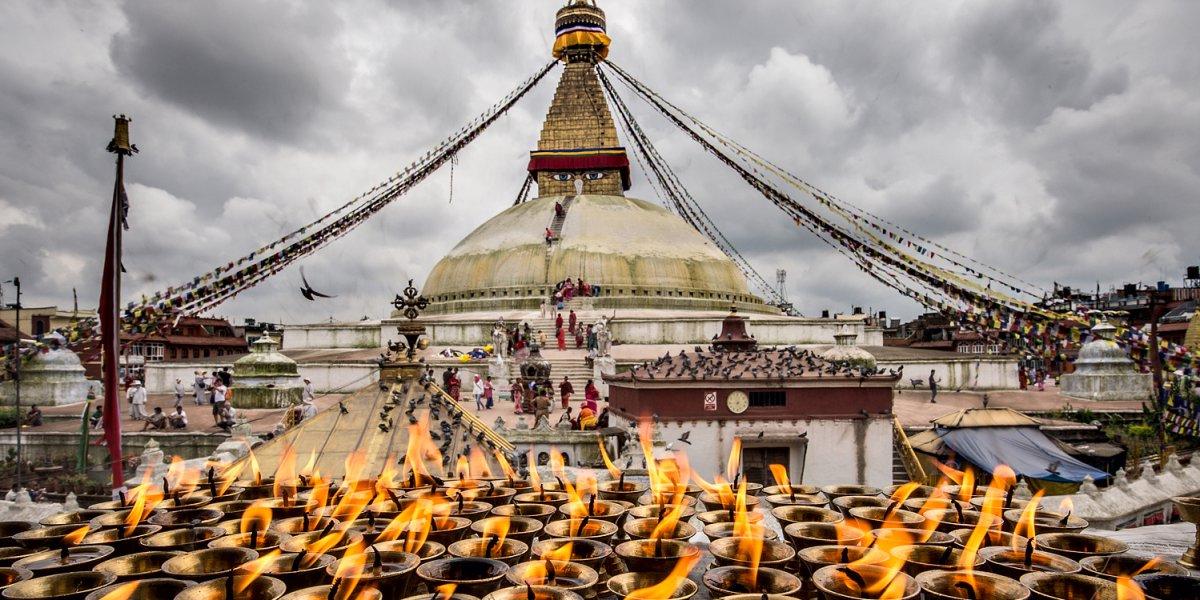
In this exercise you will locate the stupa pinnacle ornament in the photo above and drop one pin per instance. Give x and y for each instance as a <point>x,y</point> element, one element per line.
<point>410,304</point>
<point>580,32</point>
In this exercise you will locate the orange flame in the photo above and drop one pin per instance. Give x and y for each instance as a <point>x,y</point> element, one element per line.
<point>1025,524</point>
<point>148,497</point>
<point>310,466</point>
<point>255,471</point>
<point>228,476</point>
<point>496,527</point>
<point>902,493</point>
<point>321,546</point>
<point>665,589</point>
<point>350,567</point>
<point>248,572</point>
<point>613,471</point>
<point>73,538</point>
<point>414,521</point>
<point>462,468</point>
<point>967,487</point>
<point>779,472</point>
<point>734,464</point>
<point>509,473</point>
<point>183,481</point>
<point>318,496</point>
<point>750,537</point>
<point>1150,564</point>
<point>561,553</point>
<point>479,464</point>
<point>285,475</point>
<point>535,479</point>
<point>256,518</point>
<point>419,450</point>
<point>667,524</point>
<point>1128,590</point>
<point>355,466</point>
<point>445,591</point>
<point>1066,506</point>
<point>123,592</point>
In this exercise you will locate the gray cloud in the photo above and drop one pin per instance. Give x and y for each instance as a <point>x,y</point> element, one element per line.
<point>1053,139</point>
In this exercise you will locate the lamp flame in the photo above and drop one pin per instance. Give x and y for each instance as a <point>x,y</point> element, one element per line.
<point>665,589</point>
<point>613,471</point>
<point>1025,525</point>
<point>561,553</point>
<point>123,592</point>
<point>248,572</point>
<point>779,472</point>
<point>1128,590</point>
<point>496,528</point>
<point>257,518</point>
<point>73,538</point>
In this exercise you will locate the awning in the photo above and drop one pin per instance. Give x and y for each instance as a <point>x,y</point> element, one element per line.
<point>1026,450</point>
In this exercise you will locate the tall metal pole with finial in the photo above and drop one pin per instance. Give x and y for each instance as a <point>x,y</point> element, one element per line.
<point>110,300</point>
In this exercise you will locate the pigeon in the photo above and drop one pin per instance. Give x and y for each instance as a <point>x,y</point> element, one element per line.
<point>385,427</point>
<point>684,438</point>
<point>761,434</point>
<point>308,292</point>
<point>342,408</point>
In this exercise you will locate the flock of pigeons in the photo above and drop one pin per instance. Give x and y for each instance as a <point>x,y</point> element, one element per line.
<point>445,430</point>
<point>786,363</point>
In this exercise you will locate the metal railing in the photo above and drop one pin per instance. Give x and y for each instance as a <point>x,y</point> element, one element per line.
<point>488,433</point>
<point>908,456</point>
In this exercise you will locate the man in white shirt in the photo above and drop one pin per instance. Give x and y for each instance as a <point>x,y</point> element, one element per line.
<point>309,394</point>
<point>137,400</point>
<point>180,390</point>
<point>178,419</point>
<point>218,399</point>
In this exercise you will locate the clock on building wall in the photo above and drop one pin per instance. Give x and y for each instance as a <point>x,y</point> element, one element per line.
<point>737,402</point>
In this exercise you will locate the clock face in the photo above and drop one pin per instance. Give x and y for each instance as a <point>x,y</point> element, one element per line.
<point>737,402</point>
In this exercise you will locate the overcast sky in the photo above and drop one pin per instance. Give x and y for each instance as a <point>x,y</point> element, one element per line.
<point>1057,140</point>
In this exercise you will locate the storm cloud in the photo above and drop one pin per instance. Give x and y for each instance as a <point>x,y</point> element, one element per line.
<point>1056,140</point>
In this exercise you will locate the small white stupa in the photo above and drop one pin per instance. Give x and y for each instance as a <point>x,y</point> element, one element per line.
<point>846,352</point>
<point>1104,372</point>
<point>52,377</point>
<point>266,378</point>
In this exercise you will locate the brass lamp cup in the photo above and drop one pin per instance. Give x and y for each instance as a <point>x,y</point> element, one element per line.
<point>188,517</point>
<point>156,588</point>
<point>536,592</point>
<point>618,490</point>
<point>230,527</point>
<point>569,576</point>
<point>656,511</point>
<point>709,517</point>
<point>715,502</point>
<point>950,519</point>
<point>447,530</point>
<point>919,558</point>
<point>118,519</point>
<point>583,551</point>
<point>281,509</point>
<point>302,576</point>
<point>473,510</point>
<point>1012,504</point>
<point>210,563</point>
<point>139,565</point>
<point>807,535</point>
<point>1113,566</point>
<point>716,531</point>
<point>891,537</point>
<point>262,588</point>
<point>12,554</point>
<point>494,496</point>
<point>193,500</point>
<point>322,593</point>
<point>472,576</point>
<point>949,585</point>
<point>843,504</point>
<point>548,496</point>
<point>805,514</point>
<point>993,537</point>
<point>798,488</point>
<point>1189,510</point>
<point>74,517</point>
<point>1011,563</point>
<point>252,490</point>
<point>295,525</point>
<point>834,584</point>
<point>60,586</point>
<point>296,543</point>
<point>11,528</point>
<point>650,556</point>
<point>538,512</point>
<point>427,551</point>
<point>231,493</point>
<point>640,529</point>
<point>522,529</point>
<point>44,537</point>
<point>879,516</point>
<point>833,492</point>
<point>663,493</point>
<point>1068,586</point>
<point>391,578</point>
<point>624,584</point>
<point>921,491</point>
<point>11,575</point>
<point>184,540</point>
<point>600,510</point>
<point>108,505</point>
<point>815,558</point>
<point>369,530</point>
<point>815,500</point>
<point>79,558</point>
<point>119,539</point>
<point>727,581</point>
<point>1077,546</point>
<point>233,509</point>
<point>924,505</point>
<point>775,554</point>
<point>262,541</point>
<point>1045,521</point>
<point>509,552</point>
<point>601,531</point>
<point>1164,586</point>
<point>649,499</point>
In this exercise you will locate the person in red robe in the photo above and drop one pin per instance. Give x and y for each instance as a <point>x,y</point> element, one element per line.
<point>565,389</point>
<point>591,393</point>
<point>572,321</point>
<point>562,338</point>
<point>558,321</point>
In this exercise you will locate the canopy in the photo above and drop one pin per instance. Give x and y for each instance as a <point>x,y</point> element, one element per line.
<point>1025,449</point>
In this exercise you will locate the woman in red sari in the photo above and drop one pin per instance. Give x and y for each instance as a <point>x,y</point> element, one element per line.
<point>562,339</point>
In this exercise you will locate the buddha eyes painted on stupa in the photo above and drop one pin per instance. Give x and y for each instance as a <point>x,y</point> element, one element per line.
<point>594,175</point>
<point>562,177</point>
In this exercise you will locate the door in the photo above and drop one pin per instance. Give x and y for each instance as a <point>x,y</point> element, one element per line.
<point>756,463</point>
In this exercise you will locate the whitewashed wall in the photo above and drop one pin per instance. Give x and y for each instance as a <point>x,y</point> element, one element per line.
<point>332,335</point>
<point>326,377</point>
<point>998,373</point>
<point>767,330</point>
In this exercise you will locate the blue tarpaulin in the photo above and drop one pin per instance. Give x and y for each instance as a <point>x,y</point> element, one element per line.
<point>1025,449</point>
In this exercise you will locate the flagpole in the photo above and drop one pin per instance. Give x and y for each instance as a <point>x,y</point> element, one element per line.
<point>110,302</point>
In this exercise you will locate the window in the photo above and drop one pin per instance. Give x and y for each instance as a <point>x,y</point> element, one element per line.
<point>771,399</point>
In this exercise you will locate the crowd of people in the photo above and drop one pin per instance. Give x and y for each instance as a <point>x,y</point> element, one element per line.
<point>567,289</point>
